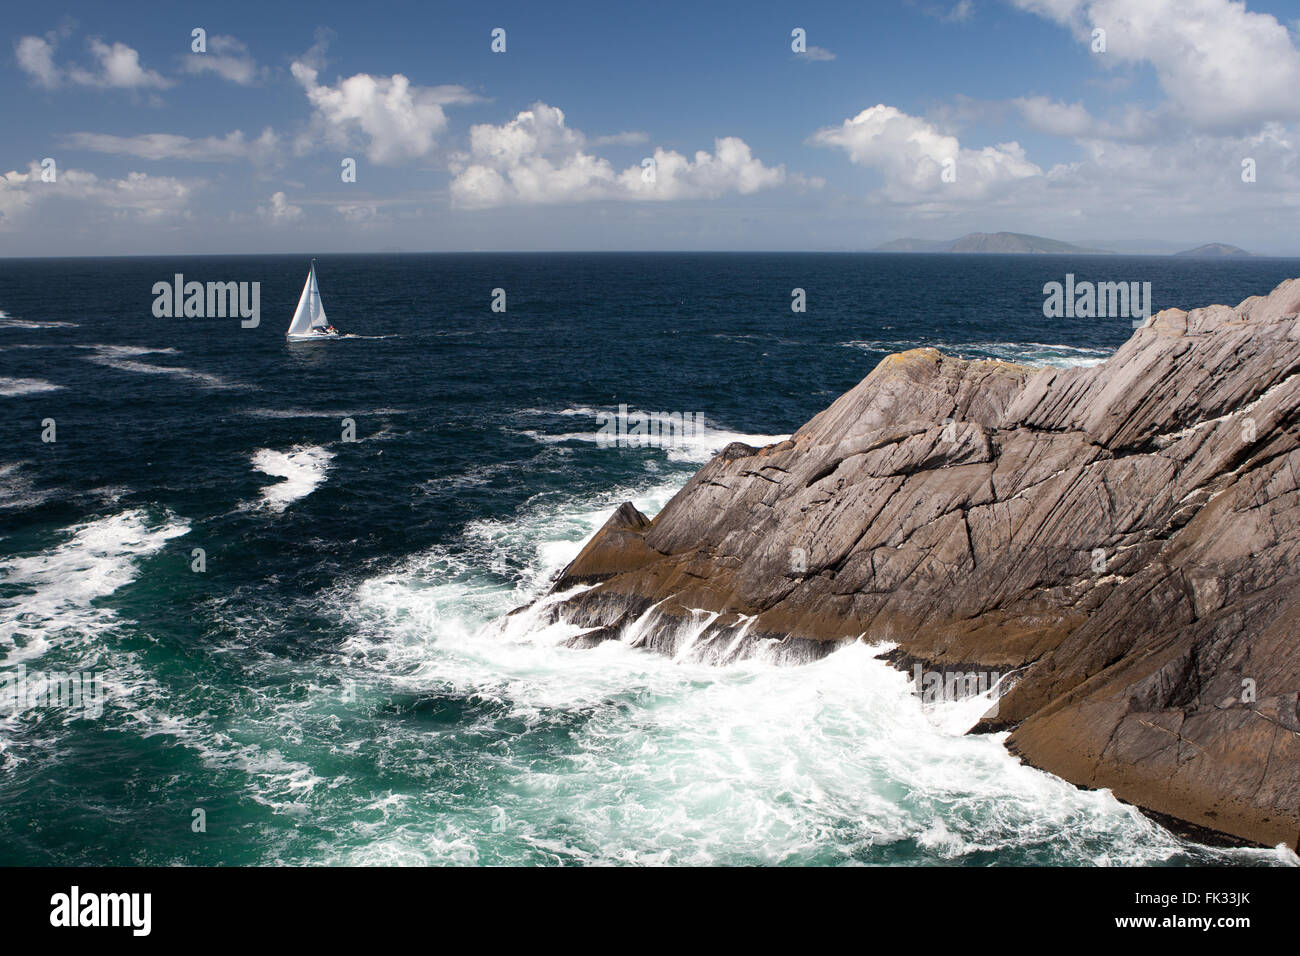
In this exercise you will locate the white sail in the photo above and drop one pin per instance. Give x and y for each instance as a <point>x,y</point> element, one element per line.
<point>310,314</point>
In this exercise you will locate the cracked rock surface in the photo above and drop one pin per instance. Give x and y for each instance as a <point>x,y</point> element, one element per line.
<point>1126,537</point>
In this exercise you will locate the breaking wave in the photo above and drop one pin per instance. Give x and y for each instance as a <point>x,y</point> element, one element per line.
<point>302,470</point>
<point>1025,353</point>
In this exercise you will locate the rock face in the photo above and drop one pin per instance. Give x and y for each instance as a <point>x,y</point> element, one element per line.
<point>1125,538</point>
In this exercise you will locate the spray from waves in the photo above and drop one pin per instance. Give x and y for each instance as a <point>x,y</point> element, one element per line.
<point>585,411</point>
<point>49,597</point>
<point>497,566</point>
<point>614,755</point>
<point>302,470</point>
<point>10,323</point>
<point>1024,353</point>
<point>52,613</point>
<point>705,441</point>
<point>15,387</point>
<point>17,489</point>
<point>321,413</point>
<point>124,358</point>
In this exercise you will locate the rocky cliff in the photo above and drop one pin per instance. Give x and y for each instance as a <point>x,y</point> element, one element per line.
<point>1123,538</point>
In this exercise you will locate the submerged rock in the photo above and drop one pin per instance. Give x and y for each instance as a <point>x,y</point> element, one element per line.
<point>1123,537</point>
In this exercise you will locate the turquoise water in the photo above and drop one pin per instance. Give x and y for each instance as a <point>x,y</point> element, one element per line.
<point>341,684</point>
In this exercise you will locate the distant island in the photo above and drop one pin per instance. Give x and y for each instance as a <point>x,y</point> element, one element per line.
<point>1214,250</point>
<point>1021,243</point>
<point>992,242</point>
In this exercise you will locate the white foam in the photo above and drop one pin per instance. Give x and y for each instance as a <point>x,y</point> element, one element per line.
<point>56,589</point>
<point>674,761</point>
<point>706,440</point>
<point>1025,353</point>
<point>303,469</point>
<point>8,323</point>
<point>123,358</point>
<point>17,489</point>
<point>322,413</point>
<point>14,387</point>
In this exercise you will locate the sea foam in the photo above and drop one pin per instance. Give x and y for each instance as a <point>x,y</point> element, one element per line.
<point>302,468</point>
<point>15,387</point>
<point>52,594</point>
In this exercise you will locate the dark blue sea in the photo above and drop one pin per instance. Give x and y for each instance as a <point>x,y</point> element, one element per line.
<point>300,643</point>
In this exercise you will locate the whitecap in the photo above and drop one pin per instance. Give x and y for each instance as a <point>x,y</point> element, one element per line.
<point>1053,355</point>
<point>123,358</point>
<point>16,387</point>
<point>302,469</point>
<point>703,441</point>
<point>54,591</point>
<point>677,762</point>
<point>7,323</point>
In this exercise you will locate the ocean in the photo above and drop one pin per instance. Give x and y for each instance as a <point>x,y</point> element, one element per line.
<point>302,641</point>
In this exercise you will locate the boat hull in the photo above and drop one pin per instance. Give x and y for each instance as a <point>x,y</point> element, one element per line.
<point>310,336</point>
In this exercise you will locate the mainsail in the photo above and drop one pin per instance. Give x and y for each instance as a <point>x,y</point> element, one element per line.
<point>310,314</point>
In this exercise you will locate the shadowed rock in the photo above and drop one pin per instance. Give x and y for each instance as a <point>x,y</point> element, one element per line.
<point>1126,534</point>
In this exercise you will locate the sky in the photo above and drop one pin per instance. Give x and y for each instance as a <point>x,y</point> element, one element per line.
<point>1148,125</point>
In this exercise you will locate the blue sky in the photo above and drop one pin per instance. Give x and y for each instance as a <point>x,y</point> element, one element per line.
<point>926,119</point>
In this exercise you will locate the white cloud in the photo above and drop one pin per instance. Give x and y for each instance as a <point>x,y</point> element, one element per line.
<point>911,154</point>
<point>961,12</point>
<point>396,120</point>
<point>160,146</point>
<point>818,54</point>
<point>1219,64</point>
<point>117,66</point>
<point>227,57</point>
<point>1125,184</point>
<point>137,195</point>
<point>1132,123</point>
<point>16,196</point>
<point>280,210</point>
<point>629,138</point>
<point>36,58</point>
<point>357,212</point>
<point>1059,119</point>
<point>537,158</point>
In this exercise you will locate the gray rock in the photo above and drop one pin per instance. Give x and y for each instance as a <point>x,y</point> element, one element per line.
<point>1127,535</point>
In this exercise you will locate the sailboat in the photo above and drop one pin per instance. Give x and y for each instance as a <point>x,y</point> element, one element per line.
<point>309,320</point>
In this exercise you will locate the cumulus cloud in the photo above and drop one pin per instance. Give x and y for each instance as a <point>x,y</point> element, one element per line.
<point>960,12</point>
<point>537,158</point>
<point>1220,65</point>
<point>279,211</point>
<point>36,59</point>
<point>163,146</point>
<point>137,195</point>
<point>910,153</point>
<point>1073,121</point>
<point>629,138</point>
<point>116,66</point>
<point>227,57</point>
<point>393,119</point>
